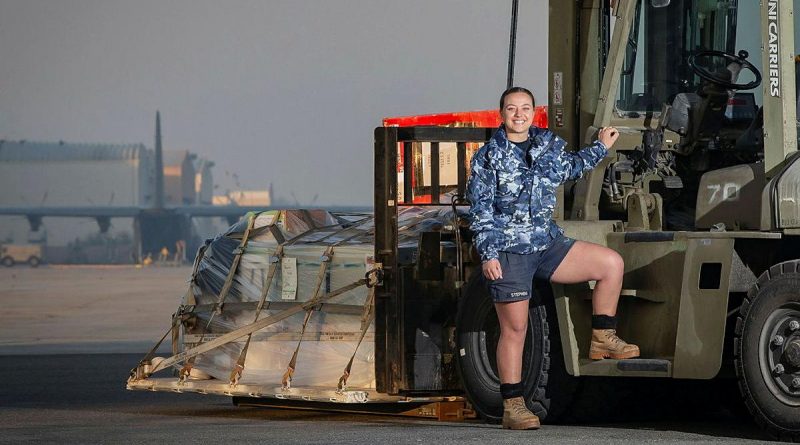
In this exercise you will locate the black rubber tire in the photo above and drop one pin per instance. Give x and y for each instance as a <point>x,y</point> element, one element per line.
<point>775,289</point>
<point>548,388</point>
<point>34,261</point>
<point>7,261</point>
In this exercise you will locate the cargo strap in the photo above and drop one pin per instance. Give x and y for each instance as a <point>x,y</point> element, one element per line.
<point>286,381</point>
<point>226,287</point>
<point>139,372</point>
<point>237,259</point>
<point>176,333</point>
<point>272,228</point>
<point>197,260</point>
<point>275,260</point>
<point>366,320</point>
<point>454,202</point>
<point>253,327</point>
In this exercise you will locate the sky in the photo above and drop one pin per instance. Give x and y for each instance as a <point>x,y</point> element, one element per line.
<point>285,92</point>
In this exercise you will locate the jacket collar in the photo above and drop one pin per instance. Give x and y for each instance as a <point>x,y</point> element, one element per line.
<point>539,136</point>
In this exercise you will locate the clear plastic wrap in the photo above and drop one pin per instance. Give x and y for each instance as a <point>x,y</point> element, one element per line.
<point>333,329</point>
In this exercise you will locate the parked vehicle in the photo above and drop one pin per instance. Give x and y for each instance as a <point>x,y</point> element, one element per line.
<point>12,254</point>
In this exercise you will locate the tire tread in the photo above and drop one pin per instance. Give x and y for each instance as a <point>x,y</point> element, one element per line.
<point>776,272</point>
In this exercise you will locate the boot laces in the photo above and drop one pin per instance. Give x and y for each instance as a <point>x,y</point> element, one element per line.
<point>519,408</point>
<point>612,336</point>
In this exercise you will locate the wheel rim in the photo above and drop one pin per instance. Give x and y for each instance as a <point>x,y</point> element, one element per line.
<point>779,334</point>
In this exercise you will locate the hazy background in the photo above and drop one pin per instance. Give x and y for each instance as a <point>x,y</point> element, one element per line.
<point>275,91</point>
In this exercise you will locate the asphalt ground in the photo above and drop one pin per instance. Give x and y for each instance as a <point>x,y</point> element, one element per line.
<point>82,399</point>
<point>109,317</point>
<point>87,309</point>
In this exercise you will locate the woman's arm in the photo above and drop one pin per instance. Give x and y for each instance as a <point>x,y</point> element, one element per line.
<point>480,193</point>
<point>587,158</point>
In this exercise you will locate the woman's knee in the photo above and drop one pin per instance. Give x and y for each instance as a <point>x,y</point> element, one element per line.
<point>514,330</point>
<point>614,265</point>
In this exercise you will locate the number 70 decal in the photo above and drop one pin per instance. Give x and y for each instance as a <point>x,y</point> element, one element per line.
<point>727,192</point>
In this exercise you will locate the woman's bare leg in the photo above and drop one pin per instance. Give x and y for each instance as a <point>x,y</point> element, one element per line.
<point>513,319</point>
<point>589,261</point>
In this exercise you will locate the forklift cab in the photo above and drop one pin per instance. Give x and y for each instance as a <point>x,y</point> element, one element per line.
<point>691,77</point>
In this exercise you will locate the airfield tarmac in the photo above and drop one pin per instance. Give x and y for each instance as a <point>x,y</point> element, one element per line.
<point>87,309</point>
<point>70,334</point>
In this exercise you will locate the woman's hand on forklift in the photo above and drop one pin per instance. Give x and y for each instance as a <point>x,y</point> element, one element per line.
<point>492,269</point>
<point>608,136</point>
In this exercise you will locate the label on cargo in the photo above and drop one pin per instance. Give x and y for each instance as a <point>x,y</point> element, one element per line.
<point>289,278</point>
<point>448,163</point>
<point>369,262</point>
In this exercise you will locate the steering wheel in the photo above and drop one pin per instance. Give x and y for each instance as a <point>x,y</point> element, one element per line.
<point>741,60</point>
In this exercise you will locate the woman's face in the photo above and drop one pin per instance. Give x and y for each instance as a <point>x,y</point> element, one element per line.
<point>517,113</point>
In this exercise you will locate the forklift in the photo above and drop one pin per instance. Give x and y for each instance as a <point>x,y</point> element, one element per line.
<point>700,195</point>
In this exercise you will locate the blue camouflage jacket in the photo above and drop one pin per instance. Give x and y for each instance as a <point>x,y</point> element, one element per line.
<point>511,204</point>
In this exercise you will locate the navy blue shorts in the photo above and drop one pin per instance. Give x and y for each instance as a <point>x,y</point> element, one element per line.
<point>519,270</point>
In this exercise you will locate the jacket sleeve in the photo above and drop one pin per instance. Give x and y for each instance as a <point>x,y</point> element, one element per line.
<point>575,163</point>
<point>480,193</point>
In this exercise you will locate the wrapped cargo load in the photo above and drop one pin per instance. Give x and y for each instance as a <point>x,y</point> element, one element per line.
<point>270,263</point>
<point>331,332</point>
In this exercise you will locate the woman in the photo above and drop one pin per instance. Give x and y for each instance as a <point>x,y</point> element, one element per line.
<point>512,193</point>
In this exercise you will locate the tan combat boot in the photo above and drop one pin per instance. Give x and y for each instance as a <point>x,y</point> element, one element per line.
<point>517,416</point>
<point>606,344</point>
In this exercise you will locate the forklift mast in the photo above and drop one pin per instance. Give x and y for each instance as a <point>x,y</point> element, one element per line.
<point>406,306</point>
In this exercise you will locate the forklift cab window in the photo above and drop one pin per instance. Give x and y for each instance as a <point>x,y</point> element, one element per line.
<point>663,40</point>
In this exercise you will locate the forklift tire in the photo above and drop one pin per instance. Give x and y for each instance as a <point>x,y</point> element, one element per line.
<point>767,351</point>
<point>8,261</point>
<point>548,388</point>
<point>34,261</point>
